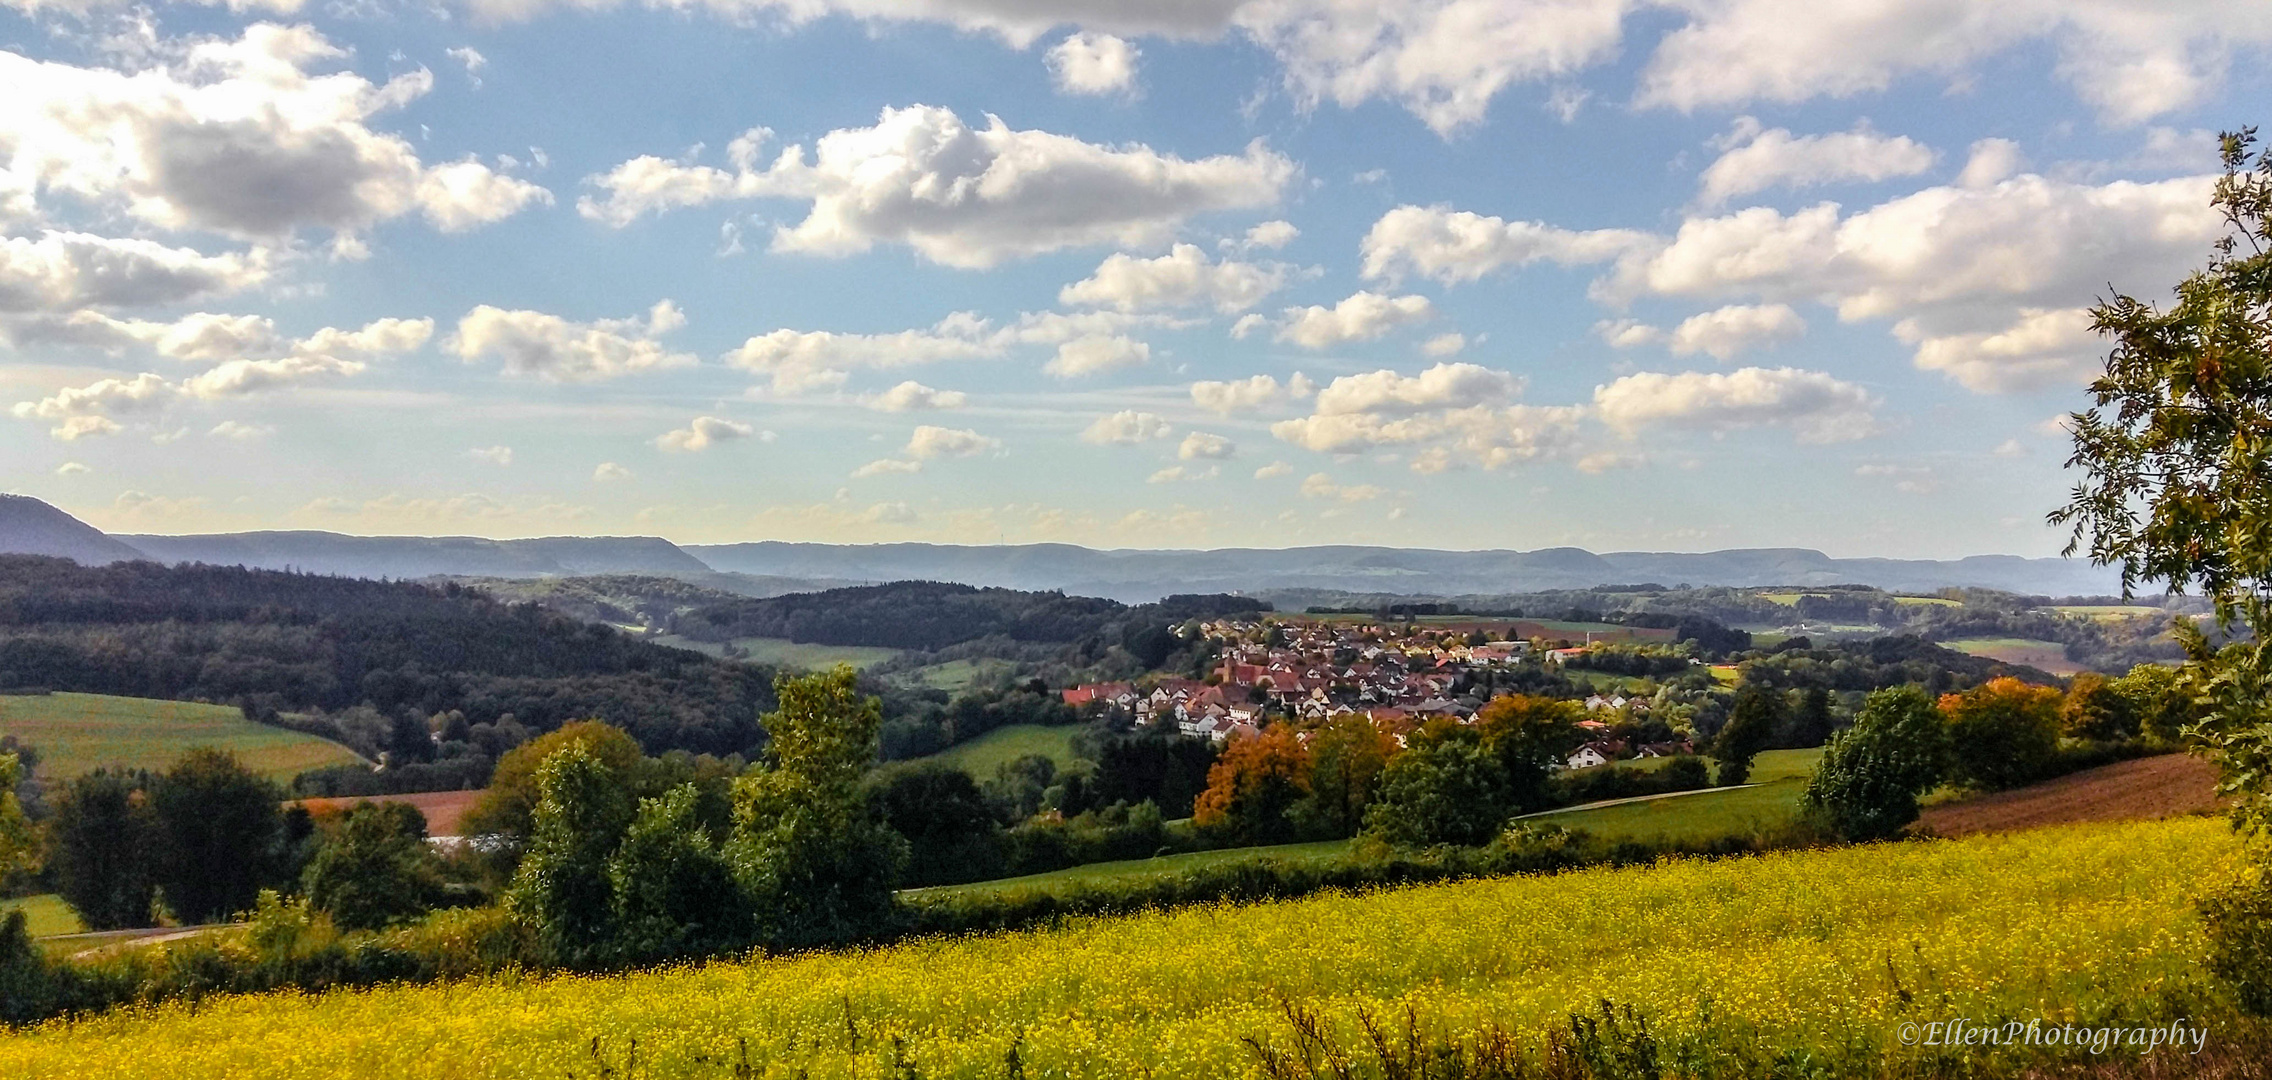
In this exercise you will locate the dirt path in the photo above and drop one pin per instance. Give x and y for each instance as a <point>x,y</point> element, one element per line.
<point>1631,799</point>
<point>2165,786</point>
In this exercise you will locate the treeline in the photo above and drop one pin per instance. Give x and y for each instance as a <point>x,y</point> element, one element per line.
<point>929,616</point>
<point>279,643</point>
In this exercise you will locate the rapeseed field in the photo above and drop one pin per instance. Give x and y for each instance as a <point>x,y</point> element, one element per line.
<point>1827,950</point>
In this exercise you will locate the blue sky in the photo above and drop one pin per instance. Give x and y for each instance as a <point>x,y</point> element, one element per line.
<point>1186,273</point>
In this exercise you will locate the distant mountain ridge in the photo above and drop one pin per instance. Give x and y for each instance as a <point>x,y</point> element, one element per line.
<point>1131,576</point>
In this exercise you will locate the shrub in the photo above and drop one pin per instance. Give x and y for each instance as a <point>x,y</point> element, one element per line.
<point>2002,734</point>
<point>2239,923</point>
<point>1867,785</point>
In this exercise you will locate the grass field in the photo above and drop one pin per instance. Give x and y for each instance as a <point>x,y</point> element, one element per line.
<point>77,733</point>
<point>2043,655</point>
<point>1780,777</point>
<point>45,915</point>
<point>1801,954</point>
<point>2110,612</point>
<point>787,653</point>
<point>981,756</point>
<point>952,675</point>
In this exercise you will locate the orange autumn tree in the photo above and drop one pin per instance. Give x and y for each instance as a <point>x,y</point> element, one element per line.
<point>2002,733</point>
<point>1252,786</point>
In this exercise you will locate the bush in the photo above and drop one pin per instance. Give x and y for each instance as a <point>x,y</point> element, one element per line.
<point>2239,923</point>
<point>1867,785</point>
<point>2002,734</point>
<point>376,869</point>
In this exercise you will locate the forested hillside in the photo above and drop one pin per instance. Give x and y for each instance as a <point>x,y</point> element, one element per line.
<point>930,615</point>
<point>283,642</point>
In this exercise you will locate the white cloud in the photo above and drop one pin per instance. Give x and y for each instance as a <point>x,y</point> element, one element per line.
<point>2040,348</point>
<point>1273,471</point>
<point>1269,236</point>
<point>1206,445</point>
<point>1602,461</point>
<point>495,455</point>
<point>891,513</point>
<point>1757,158</point>
<point>1724,332</point>
<point>1174,473</point>
<point>2010,448</point>
<point>1362,316</point>
<point>1184,277</point>
<point>1093,64</point>
<point>1457,413</point>
<point>1454,246</point>
<point>1321,486</point>
<point>1237,395</point>
<point>1444,386</point>
<point>912,396</point>
<point>1096,354</point>
<point>1126,427</point>
<point>802,360</point>
<point>239,431</point>
<point>72,468</point>
<point>609,471</point>
<point>548,346</point>
<point>1444,345</point>
<point>473,61</point>
<point>1992,161</point>
<point>1628,333</point>
<point>960,196</point>
<point>65,271</point>
<point>239,137</point>
<point>1945,262</point>
<point>1817,407</point>
<point>80,411</point>
<point>882,466</point>
<point>930,442</point>
<point>703,433</point>
<point>2132,59</point>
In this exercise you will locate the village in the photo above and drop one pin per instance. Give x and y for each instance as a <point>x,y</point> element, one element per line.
<point>1310,671</point>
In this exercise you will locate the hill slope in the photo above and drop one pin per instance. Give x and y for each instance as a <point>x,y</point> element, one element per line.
<point>31,527</point>
<point>78,733</point>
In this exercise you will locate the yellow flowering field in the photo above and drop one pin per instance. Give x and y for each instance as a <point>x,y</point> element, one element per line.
<point>1806,949</point>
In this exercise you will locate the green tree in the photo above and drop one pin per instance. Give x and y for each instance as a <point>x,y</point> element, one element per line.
<point>220,835</point>
<point>562,890</point>
<point>2096,709</point>
<point>2002,734</point>
<point>508,807</point>
<point>1447,787</point>
<point>375,869</point>
<point>1871,774</point>
<point>1752,721</point>
<point>674,893</point>
<point>1811,722</point>
<point>2158,698</point>
<point>19,842</point>
<point>2176,470</point>
<point>102,849</point>
<point>1347,755</point>
<point>1531,737</point>
<point>950,830</point>
<point>816,864</point>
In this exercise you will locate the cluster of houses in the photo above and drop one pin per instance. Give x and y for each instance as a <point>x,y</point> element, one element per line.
<point>1316,671</point>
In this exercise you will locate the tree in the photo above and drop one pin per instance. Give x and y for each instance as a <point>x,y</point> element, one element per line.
<point>674,893</point>
<point>1871,774</point>
<point>1346,759</point>
<point>2096,709</point>
<point>1531,737</point>
<point>509,806</point>
<point>103,843</point>
<point>1811,722</point>
<point>1753,720</point>
<point>2157,697</point>
<point>562,890</point>
<point>1447,787</point>
<point>2177,471</point>
<point>818,867</point>
<point>19,842</point>
<point>220,833</point>
<point>950,829</point>
<point>375,868</point>
<point>1252,786</point>
<point>2002,733</point>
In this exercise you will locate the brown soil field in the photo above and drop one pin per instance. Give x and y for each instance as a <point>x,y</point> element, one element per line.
<point>443,809</point>
<point>2167,785</point>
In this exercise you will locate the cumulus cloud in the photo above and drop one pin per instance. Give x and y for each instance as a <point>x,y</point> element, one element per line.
<point>1454,246</point>
<point>1628,333</point>
<point>927,443</point>
<point>550,347</point>
<point>912,396</point>
<point>1755,158</point>
<point>67,271</point>
<point>1444,345</point>
<point>1206,445</point>
<point>1268,236</point>
<point>703,433</point>
<point>609,471</point>
<point>1093,64</point>
<point>960,196</point>
<point>1273,471</point>
<point>1950,264</point>
<point>495,455</point>
<point>1237,395</point>
<point>1456,413</point>
<point>80,411</point>
<point>1724,332</point>
<point>1991,161</point>
<point>72,468</point>
<point>1184,277</point>
<point>1815,406</point>
<point>799,360</point>
<point>2041,347</point>
<point>1362,316</point>
<point>1321,486</point>
<point>1096,353</point>
<point>239,137</point>
<point>1126,427</point>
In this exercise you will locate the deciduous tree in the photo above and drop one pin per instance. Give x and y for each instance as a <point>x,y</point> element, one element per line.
<point>1871,774</point>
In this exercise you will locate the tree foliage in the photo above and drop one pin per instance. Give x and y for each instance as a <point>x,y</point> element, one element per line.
<point>1758,713</point>
<point>1866,787</point>
<point>2176,457</point>
<point>2002,734</point>
<point>19,841</point>
<point>1447,787</point>
<point>1252,786</point>
<point>562,890</point>
<point>375,869</point>
<point>100,840</point>
<point>220,835</point>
